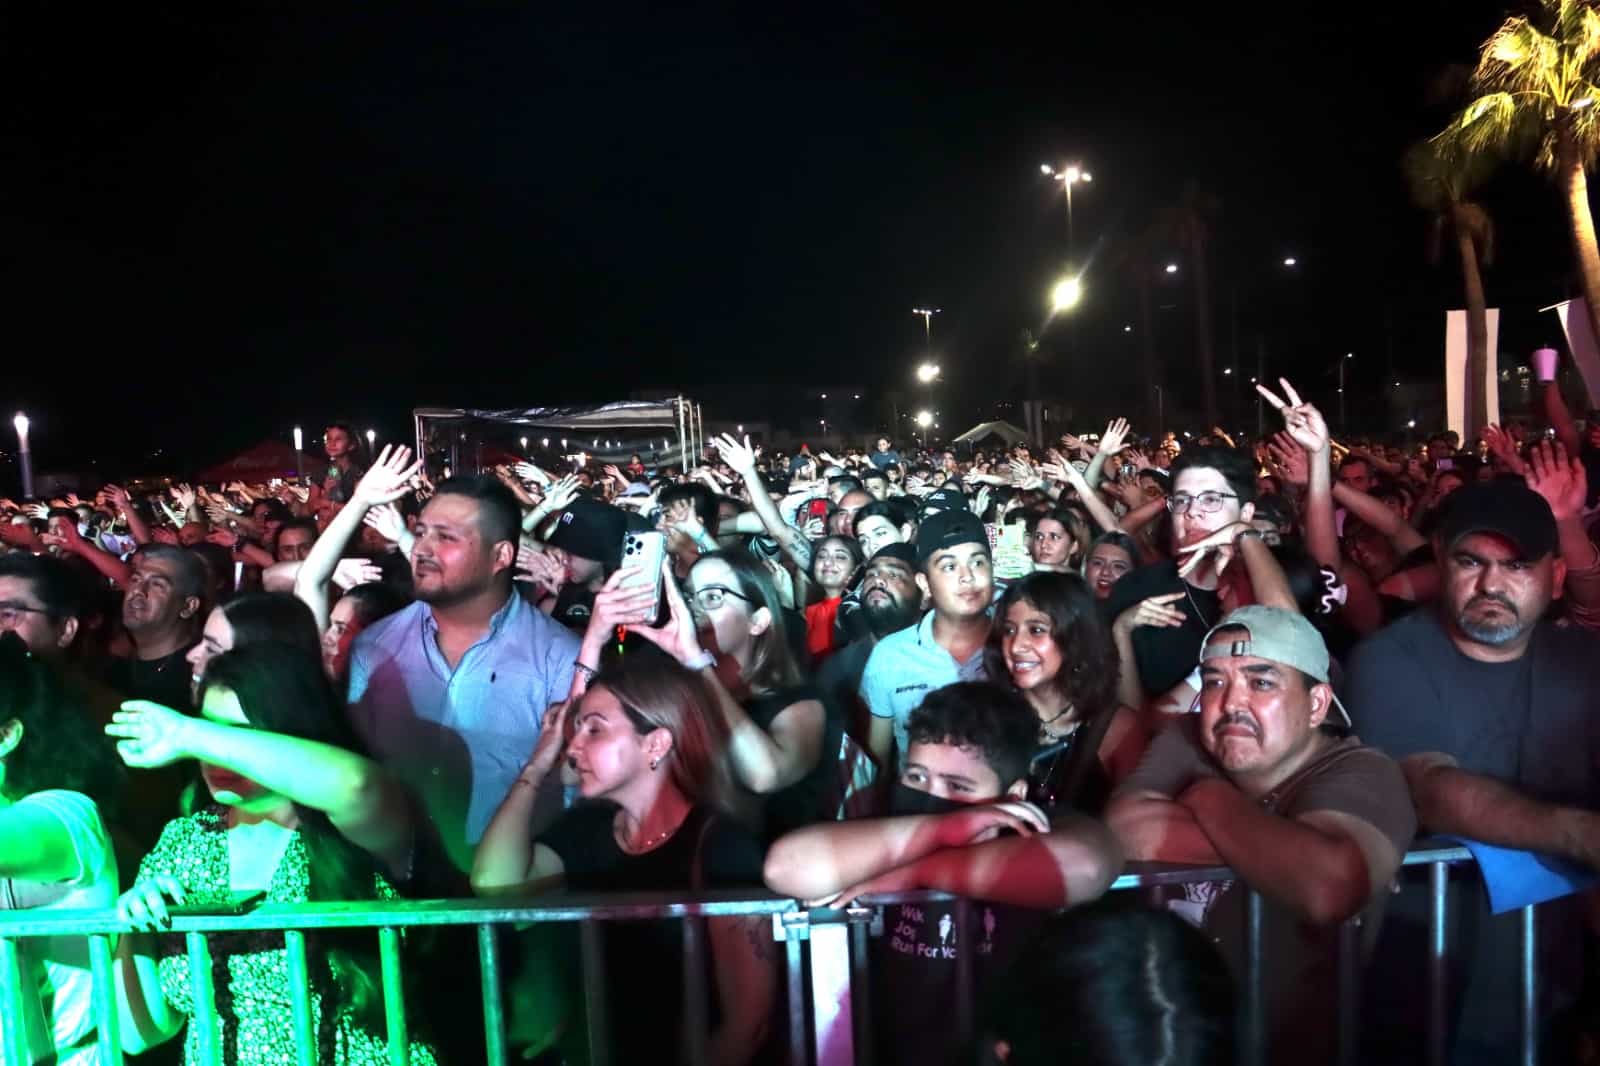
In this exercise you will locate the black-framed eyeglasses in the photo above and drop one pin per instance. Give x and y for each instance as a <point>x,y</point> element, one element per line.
<point>1203,502</point>
<point>11,612</point>
<point>713,596</point>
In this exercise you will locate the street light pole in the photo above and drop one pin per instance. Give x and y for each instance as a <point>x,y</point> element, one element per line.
<point>24,456</point>
<point>299,455</point>
<point>1344,425</point>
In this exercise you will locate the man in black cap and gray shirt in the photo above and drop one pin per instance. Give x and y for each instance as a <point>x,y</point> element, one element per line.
<point>1490,709</point>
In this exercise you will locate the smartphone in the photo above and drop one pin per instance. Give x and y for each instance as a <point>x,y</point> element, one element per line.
<point>222,906</point>
<point>817,508</point>
<point>1445,464</point>
<point>642,556</point>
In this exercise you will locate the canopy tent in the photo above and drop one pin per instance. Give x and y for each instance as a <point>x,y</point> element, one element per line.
<point>984,430</point>
<point>269,459</point>
<point>660,431</point>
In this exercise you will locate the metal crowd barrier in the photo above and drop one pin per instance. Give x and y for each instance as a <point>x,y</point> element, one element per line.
<point>836,1031</point>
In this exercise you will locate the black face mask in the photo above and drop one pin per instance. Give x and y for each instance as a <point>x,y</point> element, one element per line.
<point>908,800</point>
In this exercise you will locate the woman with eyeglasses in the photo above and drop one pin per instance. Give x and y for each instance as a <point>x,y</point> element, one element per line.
<point>728,626</point>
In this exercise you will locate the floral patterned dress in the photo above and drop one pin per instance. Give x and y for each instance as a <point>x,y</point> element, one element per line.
<point>250,970</point>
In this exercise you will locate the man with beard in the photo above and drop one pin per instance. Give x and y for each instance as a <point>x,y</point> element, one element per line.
<point>1489,708</point>
<point>889,601</point>
<point>450,693</point>
<point>956,573</point>
<point>1315,822</point>
<point>161,612</point>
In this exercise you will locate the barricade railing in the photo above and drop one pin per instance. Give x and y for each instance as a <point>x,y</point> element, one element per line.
<point>835,1031</point>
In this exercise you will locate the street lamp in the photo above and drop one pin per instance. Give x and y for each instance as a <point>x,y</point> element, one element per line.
<point>1291,261</point>
<point>1066,294</point>
<point>927,372</point>
<point>1068,176</point>
<point>24,455</point>
<point>927,314</point>
<point>372,439</point>
<point>524,444</point>
<point>1172,268</point>
<point>299,454</point>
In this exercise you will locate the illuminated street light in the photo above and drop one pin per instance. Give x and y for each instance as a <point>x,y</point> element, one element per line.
<point>544,442</point>
<point>299,456</point>
<point>927,372</point>
<point>1227,370</point>
<point>924,419</point>
<point>1068,176</point>
<point>524,443</point>
<point>24,455</point>
<point>1127,329</point>
<point>1066,294</point>
<point>1291,261</point>
<point>372,438</point>
<point>1172,268</point>
<point>927,314</point>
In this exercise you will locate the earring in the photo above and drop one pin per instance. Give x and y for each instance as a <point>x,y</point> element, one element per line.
<point>655,763</point>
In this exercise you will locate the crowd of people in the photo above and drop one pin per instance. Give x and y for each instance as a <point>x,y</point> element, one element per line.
<point>1001,674</point>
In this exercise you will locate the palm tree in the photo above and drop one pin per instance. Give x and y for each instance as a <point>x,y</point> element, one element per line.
<point>1442,176</point>
<point>1137,259</point>
<point>1535,87</point>
<point>1189,223</point>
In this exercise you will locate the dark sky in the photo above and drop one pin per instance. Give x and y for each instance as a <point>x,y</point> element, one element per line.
<point>222,222</point>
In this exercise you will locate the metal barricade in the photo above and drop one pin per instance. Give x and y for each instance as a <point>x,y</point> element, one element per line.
<point>828,1027</point>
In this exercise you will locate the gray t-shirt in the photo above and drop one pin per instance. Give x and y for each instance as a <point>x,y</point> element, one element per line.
<point>1526,723</point>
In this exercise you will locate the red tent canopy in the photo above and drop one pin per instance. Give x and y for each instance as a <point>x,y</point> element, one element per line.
<point>269,459</point>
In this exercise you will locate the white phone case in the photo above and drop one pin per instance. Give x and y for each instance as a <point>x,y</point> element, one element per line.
<point>642,556</point>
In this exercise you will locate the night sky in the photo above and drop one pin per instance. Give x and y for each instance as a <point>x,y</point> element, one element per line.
<point>221,223</point>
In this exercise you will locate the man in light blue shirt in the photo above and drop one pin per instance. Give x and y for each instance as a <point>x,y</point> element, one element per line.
<point>957,574</point>
<point>449,694</point>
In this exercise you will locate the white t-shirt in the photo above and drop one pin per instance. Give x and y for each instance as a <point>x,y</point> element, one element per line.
<point>60,965</point>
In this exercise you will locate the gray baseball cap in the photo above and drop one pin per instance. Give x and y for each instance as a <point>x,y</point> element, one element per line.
<point>1278,635</point>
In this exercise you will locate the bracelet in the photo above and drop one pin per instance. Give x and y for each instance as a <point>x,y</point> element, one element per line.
<point>701,661</point>
<point>1251,532</point>
<point>589,672</point>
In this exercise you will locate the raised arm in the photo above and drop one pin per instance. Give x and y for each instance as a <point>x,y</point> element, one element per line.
<point>113,569</point>
<point>742,458</point>
<point>388,479</point>
<point>138,529</point>
<point>507,860</point>
<point>366,805</point>
<point>1377,514</point>
<point>1564,484</point>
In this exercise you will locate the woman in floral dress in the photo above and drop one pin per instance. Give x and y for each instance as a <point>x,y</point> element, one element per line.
<point>299,815</point>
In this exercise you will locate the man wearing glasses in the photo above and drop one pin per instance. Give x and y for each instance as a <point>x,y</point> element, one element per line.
<point>1165,609</point>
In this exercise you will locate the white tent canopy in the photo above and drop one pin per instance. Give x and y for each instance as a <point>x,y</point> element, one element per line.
<point>1002,429</point>
<point>628,426</point>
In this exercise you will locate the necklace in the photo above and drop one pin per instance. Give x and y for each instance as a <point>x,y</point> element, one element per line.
<point>1046,734</point>
<point>640,847</point>
<point>1198,613</point>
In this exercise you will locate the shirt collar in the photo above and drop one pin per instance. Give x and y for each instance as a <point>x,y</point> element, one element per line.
<point>430,625</point>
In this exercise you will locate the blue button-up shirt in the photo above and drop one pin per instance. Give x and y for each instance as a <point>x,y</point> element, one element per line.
<point>907,665</point>
<point>457,738</point>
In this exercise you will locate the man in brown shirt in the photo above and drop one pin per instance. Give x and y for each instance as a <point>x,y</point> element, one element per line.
<point>1315,822</point>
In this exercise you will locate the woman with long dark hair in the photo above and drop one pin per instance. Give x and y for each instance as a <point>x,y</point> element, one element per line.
<point>58,780</point>
<point>252,619</point>
<point>1051,641</point>
<point>656,815</point>
<point>299,815</point>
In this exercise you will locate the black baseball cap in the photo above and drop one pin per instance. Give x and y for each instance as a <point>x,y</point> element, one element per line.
<point>591,530</point>
<point>947,498</point>
<point>1506,507</point>
<point>946,529</point>
<point>906,553</point>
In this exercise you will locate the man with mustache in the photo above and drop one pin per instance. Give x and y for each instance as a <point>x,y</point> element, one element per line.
<point>1489,708</point>
<point>1260,781</point>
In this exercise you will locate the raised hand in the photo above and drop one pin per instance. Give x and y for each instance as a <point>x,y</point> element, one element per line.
<point>389,478</point>
<point>1504,448</point>
<point>164,535</point>
<point>1219,544</point>
<point>1111,440</point>
<point>41,511</point>
<point>562,493</point>
<point>348,573</point>
<point>542,569</point>
<point>738,455</point>
<point>1562,482</point>
<point>184,496</point>
<point>1076,444</point>
<point>1304,422</point>
<point>551,743</point>
<point>225,537</point>
<point>678,636</point>
<point>530,472</point>
<point>1155,611</point>
<point>152,734</point>
<point>1289,460</point>
<point>387,520</point>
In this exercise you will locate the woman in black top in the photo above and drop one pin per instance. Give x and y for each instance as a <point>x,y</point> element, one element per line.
<point>1051,641</point>
<point>654,817</point>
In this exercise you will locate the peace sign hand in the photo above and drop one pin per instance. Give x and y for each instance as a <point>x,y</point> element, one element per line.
<point>1303,421</point>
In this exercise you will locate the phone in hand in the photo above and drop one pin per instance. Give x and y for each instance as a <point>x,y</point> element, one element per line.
<point>817,508</point>
<point>233,903</point>
<point>642,556</point>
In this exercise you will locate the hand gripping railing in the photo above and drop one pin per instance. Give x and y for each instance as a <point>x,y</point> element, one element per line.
<point>834,1032</point>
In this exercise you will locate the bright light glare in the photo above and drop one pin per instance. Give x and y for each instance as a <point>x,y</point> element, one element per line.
<point>299,441</point>
<point>1582,102</point>
<point>21,422</point>
<point>1066,294</point>
<point>927,372</point>
<point>1227,370</point>
<point>924,419</point>
<point>372,435</point>
<point>1411,424</point>
<point>1172,268</point>
<point>1127,329</point>
<point>1291,261</point>
<point>1044,168</point>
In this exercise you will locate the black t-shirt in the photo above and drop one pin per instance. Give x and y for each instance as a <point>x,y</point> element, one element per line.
<point>915,986</point>
<point>805,801</point>
<point>165,680</point>
<point>644,959</point>
<point>1165,655</point>
<point>574,604</point>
